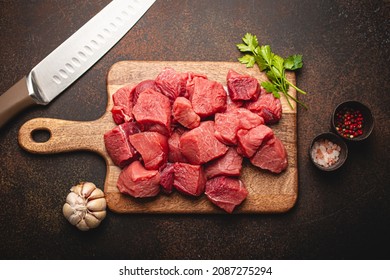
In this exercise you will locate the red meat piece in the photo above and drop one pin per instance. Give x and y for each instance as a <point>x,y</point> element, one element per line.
<point>232,105</point>
<point>271,156</point>
<point>137,181</point>
<point>117,144</point>
<point>250,140</point>
<point>207,97</point>
<point>123,104</point>
<point>119,115</point>
<point>153,148</point>
<point>226,127</point>
<point>189,179</point>
<point>190,83</point>
<point>184,114</point>
<point>175,154</point>
<point>242,87</point>
<point>153,110</point>
<point>226,192</point>
<point>229,164</point>
<point>227,124</point>
<point>266,106</point>
<point>199,145</point>
<point>142,86</point>
<point>166,177</point>
<point>171,83</point>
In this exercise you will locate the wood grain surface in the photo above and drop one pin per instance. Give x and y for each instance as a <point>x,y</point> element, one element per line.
<point>268,193</point>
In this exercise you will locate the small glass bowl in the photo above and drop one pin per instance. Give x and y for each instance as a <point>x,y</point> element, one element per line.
<point>336,140</point>
<point>367,122</point>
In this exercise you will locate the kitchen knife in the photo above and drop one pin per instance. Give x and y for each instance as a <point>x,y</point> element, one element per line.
<point>73,57</point>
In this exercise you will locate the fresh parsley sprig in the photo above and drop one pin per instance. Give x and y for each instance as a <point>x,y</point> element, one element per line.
<point>274,66</point>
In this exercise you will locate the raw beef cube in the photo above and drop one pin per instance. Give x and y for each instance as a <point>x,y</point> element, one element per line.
<point>208,97</point>
<point>227,124</point>
<point>192,75</point>
<point>189,179</point>
<point>232,105</point>
<point>137,181</point>
<point>171,83</point>
<point>226,192</point>
<point>119,115</point>
<point>123,104</point>
<point>153,148</point>
<point>175,154</point>
<point>153,110</point>
<point>271,156</point>
<point>184,114</point>
<point>191,84</point>
<point>229,164</point>
<point>166,177</point>
<point>118,145</point>
<point>125,98</point>
<point>248,119</point>
<point>226,127</point>
<point>199,145</point>
<point>159,128</point>
<point>266,106</point>
<point>144,85</point>
<point>250,140</point>
<point>242,87</point>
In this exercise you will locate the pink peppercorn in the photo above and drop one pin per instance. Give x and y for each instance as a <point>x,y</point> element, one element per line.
<point>349,122</point>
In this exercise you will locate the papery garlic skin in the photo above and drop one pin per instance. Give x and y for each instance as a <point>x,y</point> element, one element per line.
<point>85,206</point>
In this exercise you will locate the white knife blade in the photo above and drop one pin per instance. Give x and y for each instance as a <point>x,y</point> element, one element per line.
<point>72,58</point>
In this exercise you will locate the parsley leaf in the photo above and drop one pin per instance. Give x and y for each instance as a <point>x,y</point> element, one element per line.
<point>243,48</point>
<point>251,41</point>
<point>293,62</point>
<point>274,65</point>
<point>278,65</point>
<point>267,55</point>
<point>248,59</point>
<point>271,88</point>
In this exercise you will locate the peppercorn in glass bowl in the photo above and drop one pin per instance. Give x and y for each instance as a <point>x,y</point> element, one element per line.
<point>328,151</point>
<point>352,121</point>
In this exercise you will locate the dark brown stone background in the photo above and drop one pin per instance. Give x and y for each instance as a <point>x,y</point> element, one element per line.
<point>343,215</point>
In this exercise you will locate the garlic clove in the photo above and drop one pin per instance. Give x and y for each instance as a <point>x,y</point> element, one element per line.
<point>77,189</point>
<point>91,221</point>
<point>97,204</point>
<point>82,225</point>
<point>97,193</point>
<point>70,214</point>
<point>67,210</point>
<point>74,199</point>
<point>87,189</point>
<point>99,214</point>
<point>74,219</point>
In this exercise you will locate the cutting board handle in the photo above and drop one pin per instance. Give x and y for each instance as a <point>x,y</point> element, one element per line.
<point>65,136</point>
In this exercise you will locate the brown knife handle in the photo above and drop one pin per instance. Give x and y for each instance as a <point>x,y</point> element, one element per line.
<point>14,100</point>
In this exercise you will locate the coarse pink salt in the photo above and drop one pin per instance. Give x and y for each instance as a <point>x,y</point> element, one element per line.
<point>325,152</point>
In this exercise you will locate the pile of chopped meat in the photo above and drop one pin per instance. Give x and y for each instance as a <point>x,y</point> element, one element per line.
<point>183,132</point>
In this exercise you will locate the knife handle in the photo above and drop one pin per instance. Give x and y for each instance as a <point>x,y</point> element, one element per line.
<point>14,100</point>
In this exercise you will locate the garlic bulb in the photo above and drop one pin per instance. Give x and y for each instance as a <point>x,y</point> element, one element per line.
<point>85,206</point>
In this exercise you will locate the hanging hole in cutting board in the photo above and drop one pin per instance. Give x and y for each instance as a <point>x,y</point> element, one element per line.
<point>41,135</point>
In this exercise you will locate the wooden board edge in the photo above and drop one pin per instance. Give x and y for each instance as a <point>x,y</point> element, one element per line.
<point>122,204</point>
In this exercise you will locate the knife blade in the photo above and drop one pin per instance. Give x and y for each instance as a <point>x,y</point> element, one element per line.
<point>73,57</point>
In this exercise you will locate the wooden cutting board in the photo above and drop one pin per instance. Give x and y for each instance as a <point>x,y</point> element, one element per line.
<point>268,193</point>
